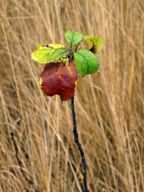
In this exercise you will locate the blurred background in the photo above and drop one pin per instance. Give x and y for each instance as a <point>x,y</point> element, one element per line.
<point>37,152</point>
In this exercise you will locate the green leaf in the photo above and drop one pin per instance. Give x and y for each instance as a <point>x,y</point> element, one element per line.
<point>44,55</point>
<point>73,38</point>
<point>56,54</point>
<point>95,43</point>
<point>86,62</point>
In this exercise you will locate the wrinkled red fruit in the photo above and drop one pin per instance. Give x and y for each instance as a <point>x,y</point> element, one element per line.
<point>58,78</point>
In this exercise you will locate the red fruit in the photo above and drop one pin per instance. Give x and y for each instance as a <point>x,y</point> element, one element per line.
<point>59,78</point>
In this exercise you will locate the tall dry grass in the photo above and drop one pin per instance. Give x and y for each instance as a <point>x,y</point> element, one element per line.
<point>109,104</point>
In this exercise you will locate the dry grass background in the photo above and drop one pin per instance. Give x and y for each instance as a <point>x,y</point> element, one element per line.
<point>109,104</point>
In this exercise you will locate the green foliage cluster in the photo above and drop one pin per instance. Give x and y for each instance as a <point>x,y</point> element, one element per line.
<point>86,60</point>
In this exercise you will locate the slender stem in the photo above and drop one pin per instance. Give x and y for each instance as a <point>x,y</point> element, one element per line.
<point>77,143</point>
<point>29,180</point>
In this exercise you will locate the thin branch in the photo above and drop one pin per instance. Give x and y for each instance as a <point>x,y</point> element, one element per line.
<point>77,143</point>
<point>28,180</point>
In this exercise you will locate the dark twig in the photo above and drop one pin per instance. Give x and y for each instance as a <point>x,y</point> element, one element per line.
<point>29,180</point>
<point>76,140</point>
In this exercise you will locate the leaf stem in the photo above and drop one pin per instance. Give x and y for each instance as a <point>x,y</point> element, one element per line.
<point>79,147</point>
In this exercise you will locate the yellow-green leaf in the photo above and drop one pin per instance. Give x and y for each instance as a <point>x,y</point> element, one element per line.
<point>55,46</point>
<point>95,43</point>
<point>41,54</point>
<point>44,55</point>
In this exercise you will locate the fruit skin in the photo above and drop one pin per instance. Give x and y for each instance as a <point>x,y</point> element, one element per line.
<point>59,79</point>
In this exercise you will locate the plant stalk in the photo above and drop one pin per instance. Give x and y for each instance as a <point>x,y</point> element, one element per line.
<point>27,179</point>
<point>79,147</point>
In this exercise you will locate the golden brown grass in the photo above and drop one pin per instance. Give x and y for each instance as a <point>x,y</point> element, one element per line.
<point>109,104</point>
